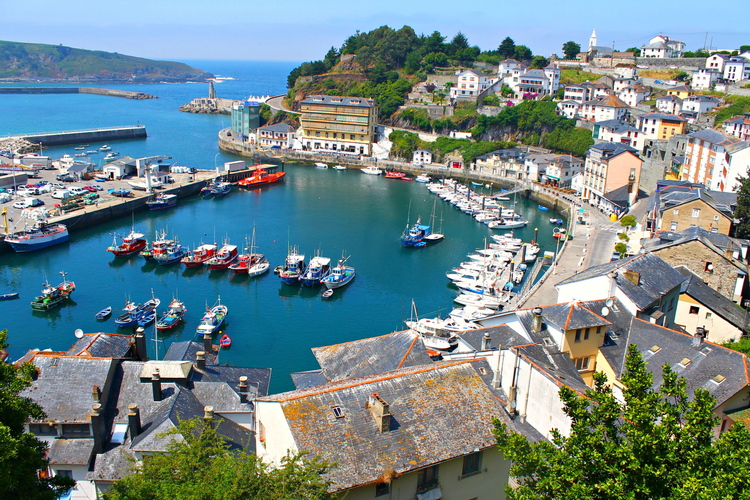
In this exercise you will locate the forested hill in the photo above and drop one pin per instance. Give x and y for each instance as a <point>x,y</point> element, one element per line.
<point>41,62</point>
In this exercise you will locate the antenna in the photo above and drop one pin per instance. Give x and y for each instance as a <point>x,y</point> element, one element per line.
<point>605,311</point>
<point>609,302</point>
<point>78,333</point>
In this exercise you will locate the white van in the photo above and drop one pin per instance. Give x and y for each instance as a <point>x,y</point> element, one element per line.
<point>77,190</point>
<point>28,203</point>
<point>61,194</point>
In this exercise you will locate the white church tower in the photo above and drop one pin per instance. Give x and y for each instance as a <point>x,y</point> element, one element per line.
<point>592,40</point>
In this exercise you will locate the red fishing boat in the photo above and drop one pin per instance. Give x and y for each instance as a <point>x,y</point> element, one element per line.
<point>199,256</point>
<point>131,244</point>
<point>261,177</point>
<point>223,258</point>
<point>397,175</point>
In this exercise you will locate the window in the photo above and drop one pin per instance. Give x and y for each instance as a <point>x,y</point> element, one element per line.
<point>676,211</point>
<point>43,429</point>
<point>599,329</point>
<point>64,473</point>
<point>673,226</point>
<point>716,217</point>
<point>578,335</point>
<point>472,464</point>
<point>382,489</point>
<point>694,309</point>
<point>586,334</point>
<point>708,315</point>
<point>582,364</point>
<point>427,479</point>
<point>76,430</point>
<point>709,267</point>
<point>696,212</point>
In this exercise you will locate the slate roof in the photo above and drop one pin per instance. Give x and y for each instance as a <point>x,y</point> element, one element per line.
<point>371,356</point>
<point>501,335</point>
<point>617,126</point>
<point>680,88</point>
<point>360,102</point>
<point>439,412</point>
<point>670,194</point>
<point>102,345</point>
<point>719,304</point>
<point>612,149</point>
<point>656,277</point>
<point>63,386</point>
<point>703,98</point>
<point>714,137</point>
<point>187,351</point>
<point>707,360</point>
<point>76,451</point>
<point>284,128</point>
<point>663,117</point>
<point>572,315</point>
<point>717,242</point>
<point>739,119</point>
<point>311,378</point>
<point>619,196</point>
<point>670,97</point>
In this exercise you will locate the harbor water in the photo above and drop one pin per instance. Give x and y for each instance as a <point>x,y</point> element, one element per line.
<point>318,210</point>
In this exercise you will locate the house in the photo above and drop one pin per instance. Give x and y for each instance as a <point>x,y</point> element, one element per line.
<point>701,306</point>
<point>701,252</point>
<point>700,103</point>
<point>527,82</point>
<point>716,62</point>
<point>245,118</point>
<point>604,108</point>
<point>381,429</point>
<point>663,47</point>
<point>681,91</point>
<point>715,160</point>
<point>510,163</point>
<point>632,95</point>
<point>454,160</point>
<point>706,78</point>
<point>620,83</point>
<point>618,131</point>
<point>612,175</point>
<point>562,169</point>
<point>422,157</point>
<point>569,108</point>
<point>470,84</point>
<point>660,126</point>
<point>338,125</point>
<point>679,205</point>
<point>736,69</point>
<point>278,135</point>
<point>669,104</point>
<point>738,126</point>
<point>647,286</point>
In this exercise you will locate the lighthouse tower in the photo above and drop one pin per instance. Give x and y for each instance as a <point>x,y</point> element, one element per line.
<point>592,40</point>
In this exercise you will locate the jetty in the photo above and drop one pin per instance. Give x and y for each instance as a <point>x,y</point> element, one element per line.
<point>82,136</point>
<point>76,90</point>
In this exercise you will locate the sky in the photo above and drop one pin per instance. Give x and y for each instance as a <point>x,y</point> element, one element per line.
<point>294,30</point>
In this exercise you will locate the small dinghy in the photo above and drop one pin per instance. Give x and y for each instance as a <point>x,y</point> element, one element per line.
<point>104,313</point>
<point>225,341</point>
<point>327,294</point>
<point>9,296</point>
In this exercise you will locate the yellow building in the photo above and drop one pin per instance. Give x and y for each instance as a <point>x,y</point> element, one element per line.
<point>681,91</point>
<point>339,125</point>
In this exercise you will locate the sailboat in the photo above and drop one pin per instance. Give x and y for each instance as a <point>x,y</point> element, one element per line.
<point>435,237</point>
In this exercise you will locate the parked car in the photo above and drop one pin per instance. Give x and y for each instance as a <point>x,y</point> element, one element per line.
<point>47,188</point>
<point>61,194</point>
<point>76,190</point>
<point>5,197</point>
<point>65,178</point>
<point>57,185</point>
<point>90,189</point>
<point>28,203</point>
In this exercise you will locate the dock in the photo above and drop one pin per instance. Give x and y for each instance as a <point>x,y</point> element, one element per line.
<point>127,94</point>
<point>82,136</point>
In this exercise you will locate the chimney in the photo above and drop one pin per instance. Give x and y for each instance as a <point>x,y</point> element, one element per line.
<point>97,427</point>
<point>728,253</point>
<point>511,406</point>
<point>536,320</point>
<point>700,334</point>
<point>134,420</point>
<point>96,394</point>
<point>140,345</point>
<point>633,276</point>
<point>156,385</point>
<point>486,342</point>
<point>243,389</point>
<point>380,412</point>
<point>200,360</point>
<point>207,347</point>
<point>208,414</point>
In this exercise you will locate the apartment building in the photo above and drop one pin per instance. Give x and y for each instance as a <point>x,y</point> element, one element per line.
<point>338,125</point>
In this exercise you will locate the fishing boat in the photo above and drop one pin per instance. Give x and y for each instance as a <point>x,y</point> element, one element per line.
<point>396,175</point>
<point>261,177</point>
<point>105,148</point>
<point>161,201</point>
<point>338,167</point>
<point>41,235</point>
<point>422,178</point>
<point>318,268</point>
<point>294,266</point>
<point>134,313</point>
<point>212,319</point>
<point>432,331</point>
<point>225,341</point>
<point>216,189</point>
<point>131,244</point>
<point>321,165</point>
<point>120,192</point>
<point>507,224</point>
<point>543,209</point>
<point>371,170</point>
<point>9,296</point>
<point>158,246</point>
<point>413,236</point>
<point>104,313</point>
<point>111,155</point>
<point>172,316</point>
<point>53,296</point>
<point>250,260</point>
<point>340,275</point>
<point>226,255</point>
<point>146,317</point>
<point>174,253</point>
<point>200,255</point>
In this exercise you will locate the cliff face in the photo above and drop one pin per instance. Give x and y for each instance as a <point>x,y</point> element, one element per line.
<point>40,62</point>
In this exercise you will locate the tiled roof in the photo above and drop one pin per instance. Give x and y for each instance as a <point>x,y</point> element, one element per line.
<point>720,305</point>
<point>617,126</point>
<point>75,451</point>
<point>429,405</point>
<point>612,101</point>
<point>663,117</point>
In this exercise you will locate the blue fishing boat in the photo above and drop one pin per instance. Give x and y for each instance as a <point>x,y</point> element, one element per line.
<point>212,319</point>
<point>294,266</point>
<point>173,253</point>
<point>216,189</point>
<point>543,209</point>
<point>318,268</point>
<point>413,236</point>
<point>133,313</point>
<point>161,201</point>
<point>339,276</point>
<point>172,316</point>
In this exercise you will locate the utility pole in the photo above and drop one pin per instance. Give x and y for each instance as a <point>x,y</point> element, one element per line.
<point>705,39</point>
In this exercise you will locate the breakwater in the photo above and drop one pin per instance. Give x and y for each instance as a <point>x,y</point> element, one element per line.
<point>76,90</point>
<point>83,136</point>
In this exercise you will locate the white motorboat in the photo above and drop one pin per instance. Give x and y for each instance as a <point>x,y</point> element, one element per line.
<point>143,185</point>
<point>471,313</point>
<point>422,178</point>
<point>371,170</point>
<point>508,224</point>
<point>473,299</point>
<point>321,165</point>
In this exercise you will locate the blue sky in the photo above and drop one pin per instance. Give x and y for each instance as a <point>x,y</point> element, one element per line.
<point>299,31</point>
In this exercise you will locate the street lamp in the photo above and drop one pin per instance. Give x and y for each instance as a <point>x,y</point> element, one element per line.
<point>557,254</point>
<point>215,157</point>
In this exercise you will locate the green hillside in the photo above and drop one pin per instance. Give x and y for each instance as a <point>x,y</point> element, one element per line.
<point>41,62</point>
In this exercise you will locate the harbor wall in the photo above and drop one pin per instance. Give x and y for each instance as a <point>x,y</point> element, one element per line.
<point>76,90</point>
<point>85,136</point>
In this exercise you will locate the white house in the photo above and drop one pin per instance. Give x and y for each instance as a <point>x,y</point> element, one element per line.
<point>738,126</point>
<point>700,103</point>
<point>568,108</point>
<point>604,108</point>
<point>662,46</point>
<point>716,62</point>
<point>470,84</point>
<point>523,80</point>
<point>633,94</point>
<point>737,68</point>
<point>422,157</point>
<point>279,135</point>
<point>670,104</point>
<point>705,78</point>
<point>618,131</point>
<point>660,126</point>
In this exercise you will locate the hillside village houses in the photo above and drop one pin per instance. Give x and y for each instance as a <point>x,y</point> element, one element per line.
<point>663,47</point>
<point>470,84</point>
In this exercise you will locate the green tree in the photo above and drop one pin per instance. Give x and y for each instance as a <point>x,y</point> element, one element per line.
<point>682,76</point>
<point>571,49</point>
<point>458,43</point>
<point>742,210</point>
<point>202,466</point>
<point>628,221</point>
<point>744,48</point>
<point>622,249</point>
<point>658,443</point>
<point>491,100</point>
<point>507,48</point>
<point>635,50</point>
<point>22,455</point>
<point>539,62</point>
<point>523,53</point>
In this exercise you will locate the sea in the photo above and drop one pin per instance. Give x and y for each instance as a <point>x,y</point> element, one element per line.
<point>319,211</point>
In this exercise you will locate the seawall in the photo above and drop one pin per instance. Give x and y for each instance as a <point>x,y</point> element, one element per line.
<point>84,136</point>
<point>76,90</point>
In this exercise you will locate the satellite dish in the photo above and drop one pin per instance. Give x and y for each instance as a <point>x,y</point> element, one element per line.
<point>605,311</point>
<point>609,302</point>
<point>78,333</point>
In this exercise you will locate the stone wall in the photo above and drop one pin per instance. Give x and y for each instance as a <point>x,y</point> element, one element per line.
<point>677,62</point>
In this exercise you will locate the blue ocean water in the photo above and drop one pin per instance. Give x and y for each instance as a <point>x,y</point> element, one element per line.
<point>271,324</point>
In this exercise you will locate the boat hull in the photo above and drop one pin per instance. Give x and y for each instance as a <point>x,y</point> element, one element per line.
<point>37,243</point>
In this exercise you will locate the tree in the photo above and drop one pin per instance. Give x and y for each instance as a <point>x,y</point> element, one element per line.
<point>22,455</point>
<point>507,48</point>
<point>658,443</point>
<point>635,50</point>
<point>459,43</point>
<point>522,53</point>
<point>202,466</point>
<point>622,249</point>
<point>539,62</point>
<point>628,221</point>
<point>682,76</point>
<point>742,210</point>
<point>571,49</point>
<point>744,48</point>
